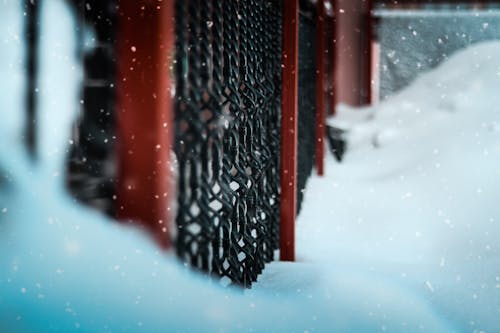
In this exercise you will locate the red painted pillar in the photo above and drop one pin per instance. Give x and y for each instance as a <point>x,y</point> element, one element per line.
<point>144,113</point>
<point>368,61</point>
<point>320,87</point>
<point>332,46</point>
<point>289,107</point>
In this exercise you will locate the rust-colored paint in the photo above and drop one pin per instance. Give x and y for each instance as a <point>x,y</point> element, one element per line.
<point>368,51</point>
<point>289,106</point>
<point>332,48</point>
<point>320,87</point>
<point>144,114</point>
<point>349,49</point>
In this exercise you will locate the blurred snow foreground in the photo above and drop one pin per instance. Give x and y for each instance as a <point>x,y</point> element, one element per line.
<point>401,237</point>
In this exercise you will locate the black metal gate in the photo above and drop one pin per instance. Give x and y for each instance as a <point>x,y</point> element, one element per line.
<point>227,135</point>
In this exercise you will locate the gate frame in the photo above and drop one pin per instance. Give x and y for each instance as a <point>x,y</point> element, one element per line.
<point>144,114</point>
<point>289,128</point>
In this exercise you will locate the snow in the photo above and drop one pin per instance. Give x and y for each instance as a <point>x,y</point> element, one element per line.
<point>400,237</point>
<point>413,209</point>
<point>65,268</point>
<point>12,80</point>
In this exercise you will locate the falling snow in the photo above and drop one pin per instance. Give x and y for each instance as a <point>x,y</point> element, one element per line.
<point>400,237</point>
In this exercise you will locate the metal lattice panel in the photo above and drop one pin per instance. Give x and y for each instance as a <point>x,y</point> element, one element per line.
<point>227,134</point>
<point>307,103</point>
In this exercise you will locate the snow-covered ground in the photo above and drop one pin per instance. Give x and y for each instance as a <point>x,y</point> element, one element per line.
<point>413,212</point>
<point>400,237</point>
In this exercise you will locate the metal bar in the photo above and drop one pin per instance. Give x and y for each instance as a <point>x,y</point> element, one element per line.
<point>145,109</point>
<point>289,106</point>
<point>320,87</point>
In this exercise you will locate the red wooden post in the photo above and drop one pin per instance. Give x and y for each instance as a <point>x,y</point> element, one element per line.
<point>320,87</point>
<point>289,106</point>
<point>332,41</point>
<point>145,108</point>
<point>368,51</point>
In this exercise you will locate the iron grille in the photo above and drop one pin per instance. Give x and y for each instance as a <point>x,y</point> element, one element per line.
<point>228,85</point>
<point>307,101</point>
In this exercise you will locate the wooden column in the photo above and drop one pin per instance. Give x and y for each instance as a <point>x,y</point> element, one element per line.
<point>368,51</point>
<point>144,114</point>
<point>289,106</point>
<point>332,47</point>
<point>320,87</point>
